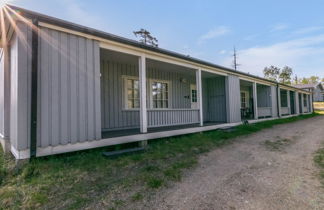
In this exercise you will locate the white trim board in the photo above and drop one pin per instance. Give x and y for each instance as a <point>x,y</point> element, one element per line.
<point>139,137</point>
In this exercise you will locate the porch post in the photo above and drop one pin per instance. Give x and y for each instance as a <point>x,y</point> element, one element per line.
<point>297,103</point>
<point>255,100</point>
<point>142,86</point>
<point>288,102</point>
<point>279,102</point>
<point>199,93</point>
<point>311,103</point>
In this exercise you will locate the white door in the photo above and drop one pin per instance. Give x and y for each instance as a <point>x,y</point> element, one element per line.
<point>193,96</point>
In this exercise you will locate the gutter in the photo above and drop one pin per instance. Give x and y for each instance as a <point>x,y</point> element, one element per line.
<point>33,122</point>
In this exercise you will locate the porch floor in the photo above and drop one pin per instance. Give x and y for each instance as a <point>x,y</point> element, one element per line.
<point>134,131</point>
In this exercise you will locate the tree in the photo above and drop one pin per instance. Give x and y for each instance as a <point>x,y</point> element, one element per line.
<point>304,80</point>
<point>146,37</point>
<point>323,79</point>
<point>285,75</point>
<point>271,73</point>
<point>310,80</point>
<point>314,79</point>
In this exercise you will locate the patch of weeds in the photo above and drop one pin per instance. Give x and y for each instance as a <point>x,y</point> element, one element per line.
<point>277,145</point>
<point>154,182</point>
<point>151,168</point>
<point>31,171</point>
<point>173,174</point>
<point>319,161</point>
<point>137,197</point>
<point>118,202</point>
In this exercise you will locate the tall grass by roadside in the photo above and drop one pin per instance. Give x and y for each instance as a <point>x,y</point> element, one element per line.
<point>86,178</point>
<point>319,161</point>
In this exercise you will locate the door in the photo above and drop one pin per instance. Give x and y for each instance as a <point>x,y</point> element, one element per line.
<point>193,96</point>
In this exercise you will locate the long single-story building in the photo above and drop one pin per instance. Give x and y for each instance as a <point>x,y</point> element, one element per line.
<point>66,87</point>
<point>316,89</point>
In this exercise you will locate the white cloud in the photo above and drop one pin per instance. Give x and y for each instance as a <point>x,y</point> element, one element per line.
<point>222,52</point>
<point>308,29</point>
<point>303,55</point>
<point>214,33</point>
<point>279,27</point>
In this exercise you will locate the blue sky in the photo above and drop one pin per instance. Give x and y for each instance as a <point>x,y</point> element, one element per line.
<point>264,32</point>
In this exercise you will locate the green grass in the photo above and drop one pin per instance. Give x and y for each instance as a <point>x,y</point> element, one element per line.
<point>87,178</point>
<point>319,161</point>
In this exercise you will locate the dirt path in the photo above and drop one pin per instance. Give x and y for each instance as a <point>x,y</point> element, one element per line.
<point>271,169</point>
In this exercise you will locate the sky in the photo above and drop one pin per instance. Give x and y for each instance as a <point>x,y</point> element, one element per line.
<point>280,33</point>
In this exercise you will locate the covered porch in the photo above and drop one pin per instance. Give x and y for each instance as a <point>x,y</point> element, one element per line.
<point>247,99</point>
<point>264,101</point>
<point>171,96</point>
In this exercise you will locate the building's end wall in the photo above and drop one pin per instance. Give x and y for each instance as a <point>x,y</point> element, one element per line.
<point>20,91</point>
<point>68,89</point>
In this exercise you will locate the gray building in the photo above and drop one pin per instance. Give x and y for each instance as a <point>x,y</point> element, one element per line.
<point>66,87</point>
<point>317,90</point>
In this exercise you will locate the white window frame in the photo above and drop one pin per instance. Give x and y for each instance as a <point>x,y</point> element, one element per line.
<point>247,98</point>
<point>151,81</point>
<point>125,89</point>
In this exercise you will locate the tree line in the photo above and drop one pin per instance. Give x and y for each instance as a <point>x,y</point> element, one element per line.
<point>285,75</point>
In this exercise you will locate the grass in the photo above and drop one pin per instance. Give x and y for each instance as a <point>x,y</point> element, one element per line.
<point>88,179</point>
<point>319,161</point>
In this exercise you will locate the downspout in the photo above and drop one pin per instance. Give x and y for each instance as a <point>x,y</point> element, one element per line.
<point>33,122</point>
<point>278,101</point>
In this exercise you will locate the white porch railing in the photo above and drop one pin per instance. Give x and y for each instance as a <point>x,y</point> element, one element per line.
<point>264,111</point>
<point>169,117</point>
<point>284,110</point>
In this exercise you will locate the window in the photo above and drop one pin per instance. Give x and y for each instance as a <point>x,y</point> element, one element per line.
<point>244,99</point>
<point>132,93</point>
<point>283,98</point>
<point>193,95</point>
<point>160,94</point>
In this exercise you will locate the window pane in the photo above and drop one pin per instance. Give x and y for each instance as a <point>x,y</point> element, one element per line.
<point>159,95</point>
<point>136,84</point>
<point>136,94</point>
<point>130,94</point>
<point>130,104</point>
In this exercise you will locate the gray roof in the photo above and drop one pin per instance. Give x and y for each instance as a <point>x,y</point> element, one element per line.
<point>309,86</point>
<point>305,86</point>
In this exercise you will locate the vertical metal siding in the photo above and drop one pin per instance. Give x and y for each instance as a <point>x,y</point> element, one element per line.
<point>20,91</point>
<point>114,116</point>
<point>68,80</point>
<point>2,93</point>
<point>233,99</point>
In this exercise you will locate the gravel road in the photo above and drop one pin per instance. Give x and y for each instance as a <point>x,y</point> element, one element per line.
<point>271,169</point>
